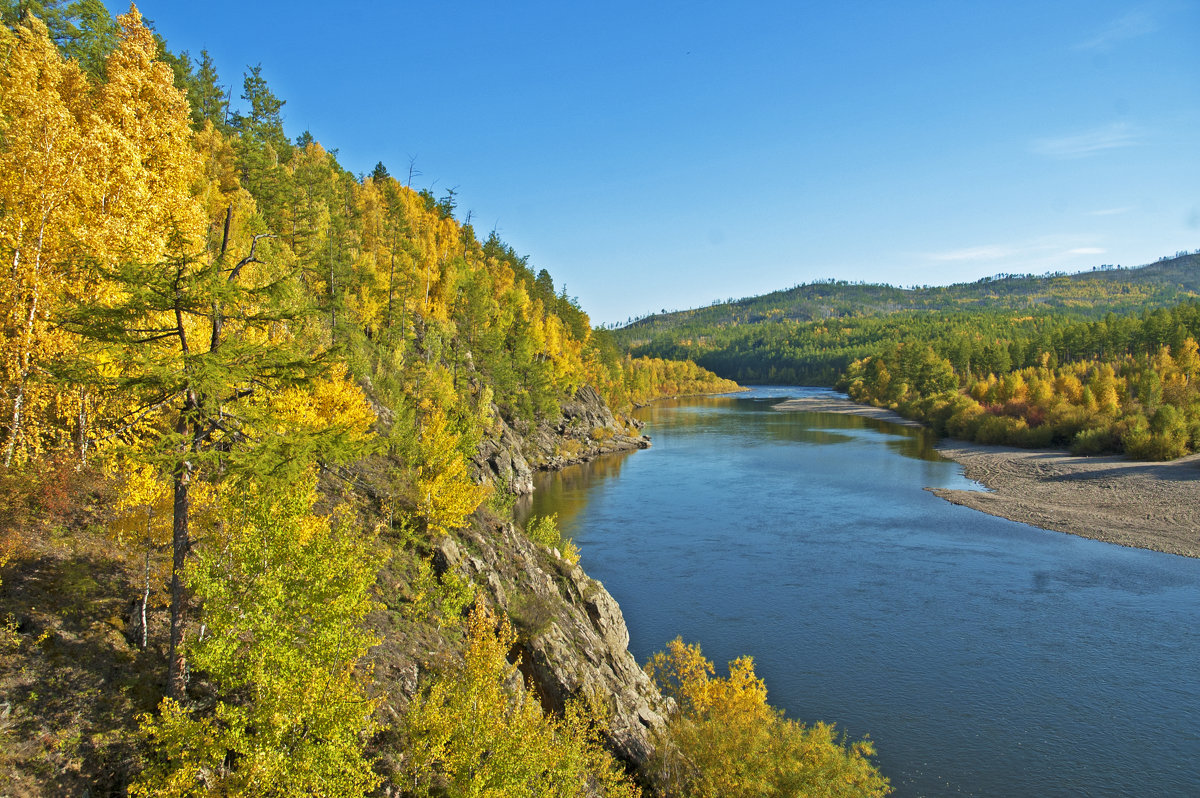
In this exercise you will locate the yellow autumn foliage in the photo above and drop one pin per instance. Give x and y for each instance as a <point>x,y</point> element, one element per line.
<point>469,733</point>
<point>332,401</point>
<point>446,496</point>
<point>725,741</point>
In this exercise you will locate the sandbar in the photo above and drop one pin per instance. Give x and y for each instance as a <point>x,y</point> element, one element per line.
<point>830,403</point>
<point>1128,502</point>
<point>1132,503</point>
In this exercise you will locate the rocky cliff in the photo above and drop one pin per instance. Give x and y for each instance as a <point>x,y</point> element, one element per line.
<point>572,638</point>
<point>586,429</point>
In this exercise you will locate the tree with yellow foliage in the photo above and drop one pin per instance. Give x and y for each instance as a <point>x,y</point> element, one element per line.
<point>285,594</point>
<point>471,734</point>
<point>446,496</point>
<point>44,183</point>
<point>724,741</point>
<point>200,343</point>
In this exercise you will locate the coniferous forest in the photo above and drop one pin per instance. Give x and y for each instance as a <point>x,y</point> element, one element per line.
<point>245,523</point>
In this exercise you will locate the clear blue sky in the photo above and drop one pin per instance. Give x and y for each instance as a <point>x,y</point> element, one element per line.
<point>663,155</point>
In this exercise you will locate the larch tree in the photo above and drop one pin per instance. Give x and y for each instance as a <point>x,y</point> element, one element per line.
<point>195,338</point>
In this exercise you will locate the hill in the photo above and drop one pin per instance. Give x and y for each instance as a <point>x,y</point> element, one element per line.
<point>809,334</point>
<point>1102,290</point>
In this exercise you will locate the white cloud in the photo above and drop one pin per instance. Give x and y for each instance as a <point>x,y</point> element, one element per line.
<point>1130,26</point>
<point>1026,255</point>
<point>973,253</point>
<point>1111,211</point>
<point>1090,142</point>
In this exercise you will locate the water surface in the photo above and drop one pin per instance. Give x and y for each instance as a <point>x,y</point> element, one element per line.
<point>984,657</point>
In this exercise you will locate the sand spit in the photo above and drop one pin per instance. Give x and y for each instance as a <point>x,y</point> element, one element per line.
<point>1145,505</point>
<point>836,404</point>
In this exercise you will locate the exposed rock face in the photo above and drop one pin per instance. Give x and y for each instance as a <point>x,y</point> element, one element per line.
<point>573,637</point>
<point>586,429</point>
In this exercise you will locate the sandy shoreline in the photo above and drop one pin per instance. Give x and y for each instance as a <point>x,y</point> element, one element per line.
<point>1131,503</point>
<point>836,404</point>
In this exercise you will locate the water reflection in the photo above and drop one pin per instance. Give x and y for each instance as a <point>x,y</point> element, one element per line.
<point>728,414</point>
<point>568,491</point>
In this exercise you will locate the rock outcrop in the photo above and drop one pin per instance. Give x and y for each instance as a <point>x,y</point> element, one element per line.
<point>572,638</point>
<point>586,429</point>
<point>572,635</point>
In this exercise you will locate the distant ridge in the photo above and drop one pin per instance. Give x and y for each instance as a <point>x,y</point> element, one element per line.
<point>1091,293</point>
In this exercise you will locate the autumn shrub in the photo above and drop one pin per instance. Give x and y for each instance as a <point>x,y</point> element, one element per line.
<point>1164,437</point>
<point>1032,437</point>
<point>474,731</point>
<point>723,740</point>
<point>544,531</point>
<point>441,599</point>
<point>1000,430</point>
<point>1067,421</point>
<point>962,424</point>
<point>1100,440</point>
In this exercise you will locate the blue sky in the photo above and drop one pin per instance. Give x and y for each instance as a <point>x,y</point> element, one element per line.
<point>663,155</point>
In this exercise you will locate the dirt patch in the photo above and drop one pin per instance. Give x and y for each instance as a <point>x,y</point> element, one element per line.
<point>1146,505</point>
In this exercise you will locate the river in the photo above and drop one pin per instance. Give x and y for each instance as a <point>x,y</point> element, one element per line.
<point>982,656</point>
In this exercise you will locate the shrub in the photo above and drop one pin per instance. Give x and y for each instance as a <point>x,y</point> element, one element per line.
<point>724,740</point>
<point>1101,440</point>
<point>471,732</point>
<point>544,531</point>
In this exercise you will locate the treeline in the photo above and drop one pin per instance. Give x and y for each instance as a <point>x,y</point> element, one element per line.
<point>208,324</point>
<point>1116,385</point>
<point>978,342</point>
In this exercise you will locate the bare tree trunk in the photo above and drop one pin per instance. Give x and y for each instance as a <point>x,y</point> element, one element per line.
<point>14,430</point>
<point>146,587</point>
<point>181,545</point>
<point>83,424</point>
<point>391,286</point>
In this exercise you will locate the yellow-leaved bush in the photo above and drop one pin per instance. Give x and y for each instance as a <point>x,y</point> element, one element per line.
<point>725,741</point>
<point>285,594</point>
<point>471,734</point>
<point>446,496</point>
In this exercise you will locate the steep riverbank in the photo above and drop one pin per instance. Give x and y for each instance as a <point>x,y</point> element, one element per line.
<point>586,428</point>
<point>1112,499</point>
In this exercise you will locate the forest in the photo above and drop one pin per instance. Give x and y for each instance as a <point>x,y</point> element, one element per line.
<point>242,393</point>
<point>1101,362</point>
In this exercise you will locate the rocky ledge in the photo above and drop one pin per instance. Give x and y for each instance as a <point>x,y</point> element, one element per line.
<point>586,429</point>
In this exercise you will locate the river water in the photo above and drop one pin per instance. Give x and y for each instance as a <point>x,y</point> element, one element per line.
<point>982,656</point>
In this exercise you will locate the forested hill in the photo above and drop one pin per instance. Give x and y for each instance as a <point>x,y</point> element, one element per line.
<point>1103,361</point>
<point>811,334</point>
<point>1091,293</point>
